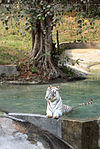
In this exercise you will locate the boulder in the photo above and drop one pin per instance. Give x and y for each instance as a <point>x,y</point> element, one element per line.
<point>8,70</point>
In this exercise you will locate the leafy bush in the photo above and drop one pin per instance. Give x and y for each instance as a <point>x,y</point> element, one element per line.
<point>94,12</point>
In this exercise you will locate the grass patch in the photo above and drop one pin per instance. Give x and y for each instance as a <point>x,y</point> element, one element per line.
<point>13,46</point>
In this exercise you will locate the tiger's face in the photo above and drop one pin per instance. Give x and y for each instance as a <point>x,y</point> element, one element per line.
<point>52,94</point>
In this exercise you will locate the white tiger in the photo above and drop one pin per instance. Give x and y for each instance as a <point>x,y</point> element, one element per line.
<point>55,108</point>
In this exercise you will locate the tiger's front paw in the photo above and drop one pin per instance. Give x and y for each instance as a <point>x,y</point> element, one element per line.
<point>48,116</point>
<point>55,117</point>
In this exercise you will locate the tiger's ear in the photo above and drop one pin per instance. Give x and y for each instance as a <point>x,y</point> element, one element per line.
<point>57,87</point>
<point>50,86</point>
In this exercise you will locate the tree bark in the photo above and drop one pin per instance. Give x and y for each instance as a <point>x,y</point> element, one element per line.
<point>42,46</point>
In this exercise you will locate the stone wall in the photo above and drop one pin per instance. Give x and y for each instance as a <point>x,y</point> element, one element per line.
<point>82,45</point>
<point>72,132</point>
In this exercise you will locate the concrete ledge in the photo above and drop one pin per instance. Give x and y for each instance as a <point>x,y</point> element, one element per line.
<point>51,125</point>
<point>20,82</point>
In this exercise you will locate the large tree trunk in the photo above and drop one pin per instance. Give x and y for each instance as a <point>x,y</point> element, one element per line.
<point>42,47</point>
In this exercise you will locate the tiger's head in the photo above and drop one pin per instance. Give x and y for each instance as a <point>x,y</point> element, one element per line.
<point>52,94</point>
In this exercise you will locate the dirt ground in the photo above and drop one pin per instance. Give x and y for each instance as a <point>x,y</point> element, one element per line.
<point>89,59</point>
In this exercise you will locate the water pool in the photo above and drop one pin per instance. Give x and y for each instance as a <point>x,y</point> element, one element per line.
<point>30,98</point>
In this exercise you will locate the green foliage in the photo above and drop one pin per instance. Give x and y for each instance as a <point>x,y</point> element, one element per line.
<point>41,10</point>
<point>69,72</point>
<point>34,70</point>
<point>94,12</point>
<point>31,12</point>
<point>19,65</point>
<point>85,7</point>
<point>83,26</point>
<point>66,59</point>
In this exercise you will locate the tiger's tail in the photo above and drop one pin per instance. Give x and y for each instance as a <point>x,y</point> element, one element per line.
<point>83,104</point>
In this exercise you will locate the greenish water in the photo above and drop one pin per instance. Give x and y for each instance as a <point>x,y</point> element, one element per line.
<point>30,99</point>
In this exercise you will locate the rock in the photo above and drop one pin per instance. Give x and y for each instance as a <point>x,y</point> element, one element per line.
<point>77,73</point>
<point>8,70</point>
